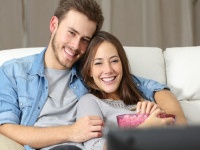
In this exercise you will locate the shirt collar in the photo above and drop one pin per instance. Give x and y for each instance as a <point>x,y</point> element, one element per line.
<point>38,64</point>
<point>75,73</point>
<point>38,67</point>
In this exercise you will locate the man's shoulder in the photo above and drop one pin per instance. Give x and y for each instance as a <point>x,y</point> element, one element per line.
<point>18,64</point>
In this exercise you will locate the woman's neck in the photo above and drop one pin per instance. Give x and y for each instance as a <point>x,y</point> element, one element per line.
<point>113,96</point>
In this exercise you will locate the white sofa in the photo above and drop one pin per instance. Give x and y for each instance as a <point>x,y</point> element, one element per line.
<point>177,67</point>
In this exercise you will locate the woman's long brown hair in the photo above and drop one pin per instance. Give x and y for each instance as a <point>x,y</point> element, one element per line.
<point>128,91</point>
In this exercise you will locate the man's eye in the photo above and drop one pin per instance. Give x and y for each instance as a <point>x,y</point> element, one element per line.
<point>72,33</point>
<point>86,41</point>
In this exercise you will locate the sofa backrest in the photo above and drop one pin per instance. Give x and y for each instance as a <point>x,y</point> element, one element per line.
<point>183,71</point>
<point>147,62</point>
<point>17,53</point>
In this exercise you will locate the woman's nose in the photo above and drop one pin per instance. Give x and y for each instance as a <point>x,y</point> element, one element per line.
<point>108,68</point>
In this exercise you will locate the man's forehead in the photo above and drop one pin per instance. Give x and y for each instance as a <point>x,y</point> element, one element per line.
<point>80,23</point>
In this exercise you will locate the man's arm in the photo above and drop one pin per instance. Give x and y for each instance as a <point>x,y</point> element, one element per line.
<point>169,103</point>
<point>38,137</point>
<point>160,93</point>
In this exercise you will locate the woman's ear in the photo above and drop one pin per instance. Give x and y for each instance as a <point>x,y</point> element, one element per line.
<point>53,24</point>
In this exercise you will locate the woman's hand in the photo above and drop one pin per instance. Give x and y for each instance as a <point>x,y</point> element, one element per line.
<point>154,120</point>
<point>146,107</point>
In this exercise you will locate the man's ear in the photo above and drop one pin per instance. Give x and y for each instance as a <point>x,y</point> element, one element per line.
<point>53,24</point>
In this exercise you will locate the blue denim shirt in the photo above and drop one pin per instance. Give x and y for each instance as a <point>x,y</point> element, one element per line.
<point>24,89</point>
<point>148,87</point>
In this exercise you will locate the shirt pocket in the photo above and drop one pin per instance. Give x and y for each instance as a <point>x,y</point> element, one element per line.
<point>25,102</point>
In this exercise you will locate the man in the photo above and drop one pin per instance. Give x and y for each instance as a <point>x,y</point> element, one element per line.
<point>39,93</point>
<point>28,98</point>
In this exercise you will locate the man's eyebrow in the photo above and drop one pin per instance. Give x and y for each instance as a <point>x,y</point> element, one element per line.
<point>73,30</point>
<point>85,37</point>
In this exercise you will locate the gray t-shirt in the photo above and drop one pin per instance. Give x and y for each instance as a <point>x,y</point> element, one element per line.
<point>60,107</point>
<point>107,109</point>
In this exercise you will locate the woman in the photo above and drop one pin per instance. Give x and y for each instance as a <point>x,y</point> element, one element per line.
<point>112,91</point>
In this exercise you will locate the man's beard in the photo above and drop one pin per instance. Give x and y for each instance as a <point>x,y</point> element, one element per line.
<point>55,50</point>
<point>53,43</point>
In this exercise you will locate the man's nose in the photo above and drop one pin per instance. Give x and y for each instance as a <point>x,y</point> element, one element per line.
<point>75,43</point>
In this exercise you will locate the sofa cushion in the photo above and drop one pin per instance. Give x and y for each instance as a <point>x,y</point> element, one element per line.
<point>183,73</point>
<point>17,53</point>
<point>8,144</point>
<point>191,111</point>
<point>147,62</point>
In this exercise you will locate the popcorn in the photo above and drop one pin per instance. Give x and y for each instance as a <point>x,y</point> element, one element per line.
<point>133,120</point>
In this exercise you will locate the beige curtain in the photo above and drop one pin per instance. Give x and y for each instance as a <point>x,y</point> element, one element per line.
<point>11,31</point>
<point>25,23</point>
<point>197,22</point>
<point>160,23</point>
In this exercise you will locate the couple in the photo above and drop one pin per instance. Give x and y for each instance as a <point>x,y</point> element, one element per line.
<point>39,94</point>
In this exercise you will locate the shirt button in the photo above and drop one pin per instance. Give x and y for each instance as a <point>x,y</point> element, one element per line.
<point>74,87</point>
<point>138,84</point>
<point>21,104</point>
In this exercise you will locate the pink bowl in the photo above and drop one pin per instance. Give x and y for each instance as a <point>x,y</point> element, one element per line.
<point>133,120</point>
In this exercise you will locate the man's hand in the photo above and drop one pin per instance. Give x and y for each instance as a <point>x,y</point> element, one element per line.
<point>86,128</point>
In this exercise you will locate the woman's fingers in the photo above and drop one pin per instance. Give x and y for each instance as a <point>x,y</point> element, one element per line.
<point>146,107</point>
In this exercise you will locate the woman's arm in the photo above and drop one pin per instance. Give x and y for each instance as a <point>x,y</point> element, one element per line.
<point>88,106</point>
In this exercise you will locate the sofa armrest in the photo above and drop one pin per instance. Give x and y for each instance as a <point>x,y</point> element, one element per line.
<point>8,144</point>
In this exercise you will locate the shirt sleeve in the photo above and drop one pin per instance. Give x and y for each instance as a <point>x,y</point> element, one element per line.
<point>9,107</point>
<point>88,106</point>
<point>148,87</point>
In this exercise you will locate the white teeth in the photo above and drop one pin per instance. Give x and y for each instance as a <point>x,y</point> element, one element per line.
<point>70,53</point>
<point>108,79</point>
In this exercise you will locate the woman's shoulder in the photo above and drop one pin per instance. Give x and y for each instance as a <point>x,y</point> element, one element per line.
<point>88,98</point>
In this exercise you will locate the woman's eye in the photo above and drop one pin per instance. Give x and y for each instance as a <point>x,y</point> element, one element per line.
<point>115,61</point>
<point>97,63</point>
